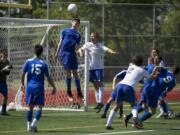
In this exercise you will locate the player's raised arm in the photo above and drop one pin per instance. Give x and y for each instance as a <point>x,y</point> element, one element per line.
<point>119,75</point>
<point>111,51</point>
<point>58,48</point>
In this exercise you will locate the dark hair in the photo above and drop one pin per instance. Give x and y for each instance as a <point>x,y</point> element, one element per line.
<point>157,50</point>
<point>96,34</point>
<point>76,19</point>
<point>175,70</point>
<point>38,50</point>
<point>137,60</point>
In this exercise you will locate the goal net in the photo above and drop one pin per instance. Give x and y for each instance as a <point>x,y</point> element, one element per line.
<point>19,36</point>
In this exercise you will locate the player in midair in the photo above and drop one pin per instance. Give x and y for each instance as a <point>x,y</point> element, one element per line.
<point>96,51</point>
<point>125,89</point>
<point>5,68</point>
<point>66,52</point>
<point>36,69</point>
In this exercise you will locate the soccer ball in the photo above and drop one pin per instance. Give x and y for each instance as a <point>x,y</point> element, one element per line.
<point>72,8</point>
<point>11,106</point>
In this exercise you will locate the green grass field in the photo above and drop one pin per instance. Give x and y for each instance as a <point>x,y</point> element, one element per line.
<point>86,123</point>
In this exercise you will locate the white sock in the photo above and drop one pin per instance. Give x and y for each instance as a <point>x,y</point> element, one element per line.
<point>28,125</point>
<point>101,93</point>
<point>161,110</point>
<point>97,96</point>
<point>34,123</point>
<point>135,113</point>
<point>110,118</point>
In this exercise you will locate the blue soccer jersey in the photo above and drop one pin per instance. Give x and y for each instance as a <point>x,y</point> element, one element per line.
<point>36,70</point>
<point>154,89</point>
<point>69,39</point>
<point>149,68</point>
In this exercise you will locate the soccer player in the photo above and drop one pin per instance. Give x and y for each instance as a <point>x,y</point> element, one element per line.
<point>125,89</point>
<point>165,82</point>
<point>152,91</point>
<point>112,97</point>
<point>166,112</point>
<point>4,72</point>
<point>69,41</point>
<point>155,52</point>
<point>96,51</point>
<point>36,69</point>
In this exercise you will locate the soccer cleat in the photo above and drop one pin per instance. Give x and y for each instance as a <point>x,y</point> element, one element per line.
<point>35,129</point>
<point>137,123</point>
<point>125,120</point>
<point>171,114</point>
<point>76,106</point>
<point>32,129</point>
<point>96,107</point>
<point>5,114</point>
<point>99,107</point>
<point>109,128</point>
<point>103,116</point>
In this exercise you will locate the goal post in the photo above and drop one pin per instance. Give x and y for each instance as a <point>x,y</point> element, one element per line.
<point>19,36</point>
<point>16,5</point>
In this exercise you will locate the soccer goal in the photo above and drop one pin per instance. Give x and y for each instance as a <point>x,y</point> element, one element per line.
<point>19,36</point>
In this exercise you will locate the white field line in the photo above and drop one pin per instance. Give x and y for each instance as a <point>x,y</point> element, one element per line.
<point>122,132</point>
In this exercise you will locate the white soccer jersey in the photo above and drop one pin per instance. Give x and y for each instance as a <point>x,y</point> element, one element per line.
<point>95,54</point>
<point>134,75</point>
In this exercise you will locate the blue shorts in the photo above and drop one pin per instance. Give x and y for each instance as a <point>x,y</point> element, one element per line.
<point>35,96</point>
<point>125,93</point>
<point>113,95</point>
<point>96,75</point>
<point>149,98</point>
<point>69,60</point>
<point>3,89</point>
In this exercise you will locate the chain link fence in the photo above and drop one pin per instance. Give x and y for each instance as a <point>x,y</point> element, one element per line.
<point>130,29</point>
<point>127,28</point>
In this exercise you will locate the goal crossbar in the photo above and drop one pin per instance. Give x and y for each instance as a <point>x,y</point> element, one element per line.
<point>44,22</point>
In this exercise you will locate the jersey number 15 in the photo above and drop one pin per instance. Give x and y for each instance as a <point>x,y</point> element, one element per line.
<point>36,69</point>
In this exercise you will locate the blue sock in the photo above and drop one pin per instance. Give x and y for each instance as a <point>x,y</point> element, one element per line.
<point>68,83</point>
<point>38,114</point>
<point>121,110</point>
<point>145,116</point>
<point>129,115</point>
<point>77,84</point>
<point>164,107</point>
<point>29,115</point>
<point>139,108</point>
<point>3,108</point>
<point>106,108</point>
